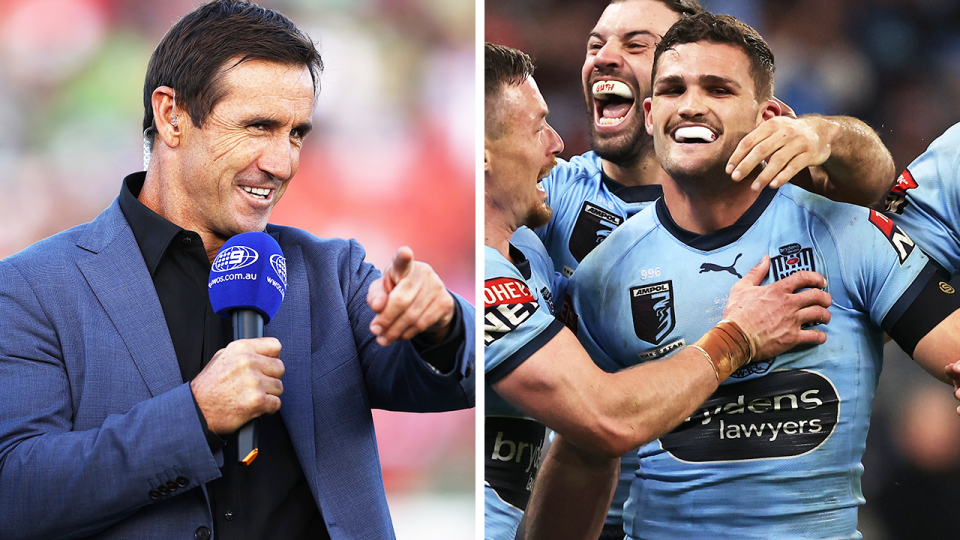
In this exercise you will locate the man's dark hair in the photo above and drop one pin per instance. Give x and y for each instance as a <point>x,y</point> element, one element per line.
<point>503,66</point>
<point>724,29</point>
<point>192,57</point>
<point>684,8</point>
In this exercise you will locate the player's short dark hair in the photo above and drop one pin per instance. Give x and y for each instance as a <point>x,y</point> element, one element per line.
<point>684,8</point>
<point>503,66</point>
<point>192,57</point>
<point>728,30</point>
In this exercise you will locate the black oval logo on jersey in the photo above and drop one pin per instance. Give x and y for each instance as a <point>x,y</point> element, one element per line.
<point>784,414</point>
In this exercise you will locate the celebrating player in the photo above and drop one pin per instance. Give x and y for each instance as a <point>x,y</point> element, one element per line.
<point>775,452</point>
<point>592,194</point>
<point>537,372</point>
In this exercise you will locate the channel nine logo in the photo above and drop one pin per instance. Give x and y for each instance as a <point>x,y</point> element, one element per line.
<point>279,265</point>
<point>236,257</point>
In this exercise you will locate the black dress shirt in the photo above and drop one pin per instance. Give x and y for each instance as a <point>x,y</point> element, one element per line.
<point>269,498</point>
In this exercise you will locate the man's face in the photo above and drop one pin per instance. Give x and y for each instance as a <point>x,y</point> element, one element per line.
<point>521,156</point>
<point>704,102</point>
<point>616,75</point>
<point>238,165</point>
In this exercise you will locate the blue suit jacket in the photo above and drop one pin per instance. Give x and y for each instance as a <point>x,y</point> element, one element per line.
<point>94,413</point>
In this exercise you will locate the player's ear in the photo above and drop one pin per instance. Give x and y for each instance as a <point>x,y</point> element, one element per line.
<point>647,115</point>
<point>769,109</point>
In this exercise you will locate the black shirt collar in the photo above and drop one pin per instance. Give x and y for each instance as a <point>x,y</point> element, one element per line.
<point>719,238</point>
<point>631,194</point>
<point>153,232</point>
<point>520,261</point>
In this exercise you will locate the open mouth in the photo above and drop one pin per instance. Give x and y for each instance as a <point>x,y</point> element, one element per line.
<point>613,101</point>
<point>258,193</point>
<point>694,135</point>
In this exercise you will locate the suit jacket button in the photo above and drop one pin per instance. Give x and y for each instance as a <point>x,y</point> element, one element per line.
<point>163,489</point>
<point>202,533</point>
<point>154,494</point>
<point>172,485</point>
<point>182,481</point>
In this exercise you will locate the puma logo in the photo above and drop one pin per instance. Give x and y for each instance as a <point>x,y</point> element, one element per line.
<point>710,267</point>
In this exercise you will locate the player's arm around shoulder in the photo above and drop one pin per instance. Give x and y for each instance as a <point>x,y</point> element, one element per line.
<point>839,157</point>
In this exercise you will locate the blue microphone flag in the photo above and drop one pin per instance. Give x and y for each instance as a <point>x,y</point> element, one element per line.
<point>248,273</point>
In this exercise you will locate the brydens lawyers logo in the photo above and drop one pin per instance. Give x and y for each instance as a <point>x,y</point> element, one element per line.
<point>234,257</point>
<point>279,265</point>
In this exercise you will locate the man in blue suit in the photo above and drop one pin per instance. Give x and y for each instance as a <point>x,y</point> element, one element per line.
<point>119,387</point>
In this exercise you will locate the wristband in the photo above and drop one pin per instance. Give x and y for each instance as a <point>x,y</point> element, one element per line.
<point>727,348</point>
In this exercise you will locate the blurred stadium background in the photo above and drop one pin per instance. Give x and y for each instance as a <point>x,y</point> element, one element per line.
<point>896,65</point>
<point>390,162</point>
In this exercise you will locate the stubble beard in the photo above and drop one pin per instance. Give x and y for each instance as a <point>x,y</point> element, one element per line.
<point>539,216</point>
<point>706,178</point>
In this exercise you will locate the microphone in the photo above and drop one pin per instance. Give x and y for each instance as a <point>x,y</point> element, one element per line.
<point>247,283</point>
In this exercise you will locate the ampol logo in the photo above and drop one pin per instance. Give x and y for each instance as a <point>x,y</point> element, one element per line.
<point>279,265</point>
<point>233,258</point>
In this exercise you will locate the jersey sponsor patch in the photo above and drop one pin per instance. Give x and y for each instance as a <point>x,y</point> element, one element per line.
<point>507,304</point>
<point>652,307</point>
<point>512,457</point>
<point>594,224</point>
<point>791,260</point>
<point>901,243</point>
<point>781,415</point>
<point>896,200</point>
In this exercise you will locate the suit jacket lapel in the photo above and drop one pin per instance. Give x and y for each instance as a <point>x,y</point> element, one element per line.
<point>291,326</point>
<point>119,279</point>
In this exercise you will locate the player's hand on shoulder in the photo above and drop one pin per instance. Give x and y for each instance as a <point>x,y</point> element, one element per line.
<point>409,299</point>
<point>774,316</point>
<point>787,145</point>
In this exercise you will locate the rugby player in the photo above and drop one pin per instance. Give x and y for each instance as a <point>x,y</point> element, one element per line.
<point>537,373</point>
<point>592,194</point>
<point>775,452</point>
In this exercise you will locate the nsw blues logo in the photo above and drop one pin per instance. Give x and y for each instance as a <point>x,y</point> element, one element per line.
<point>652,307</point>
<point>234,258</point>
<point>791,260</point>
<point>279,265</point>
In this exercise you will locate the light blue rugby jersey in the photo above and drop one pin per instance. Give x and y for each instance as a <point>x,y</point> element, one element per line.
<point>587,206</point>
<point>925,201</point>
<point>518,321</point>
<point>775,452</point>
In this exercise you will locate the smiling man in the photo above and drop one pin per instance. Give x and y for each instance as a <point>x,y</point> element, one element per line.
<point>775,451</point>
<point>538,374</point>
<point>839,157</point>
<point>128,389</point>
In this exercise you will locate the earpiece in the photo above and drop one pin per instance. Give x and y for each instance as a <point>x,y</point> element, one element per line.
<point>174,121</point>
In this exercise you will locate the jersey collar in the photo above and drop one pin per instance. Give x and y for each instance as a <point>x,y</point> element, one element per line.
<point>520,261</point>
<point>631,194</point>
<point>721,237</point>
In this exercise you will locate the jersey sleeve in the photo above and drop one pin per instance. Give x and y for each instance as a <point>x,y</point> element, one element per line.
<point>924,200</point>
<point>583,310</point>
<point>878,262</point>
<point>515,324</point>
